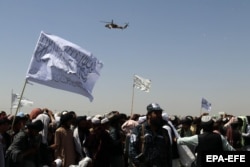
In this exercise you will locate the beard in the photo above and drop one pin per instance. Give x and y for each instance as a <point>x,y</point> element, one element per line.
<point>157,122</point>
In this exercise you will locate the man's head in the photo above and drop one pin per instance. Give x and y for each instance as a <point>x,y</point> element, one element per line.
<point>154,114</point>
<point>81,122</point>
<point>96,122</point>
<point>3,114</point>
<point>35,127</point>
<point>207,123</point>
<point>66,120</point>
<point>153,107</point>
<point>4,124</point>
<point>35,112</point>
<point>186,122</point>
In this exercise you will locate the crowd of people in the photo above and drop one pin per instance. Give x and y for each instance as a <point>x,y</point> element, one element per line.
<point>43,138</point>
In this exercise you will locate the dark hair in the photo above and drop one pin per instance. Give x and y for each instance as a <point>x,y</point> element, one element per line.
<point>208,127</point>
<point>4,120</point>
<point>2,112</point>
<point>248,119</point>
<point>80,118</point>
<point>135,117</point>
<point>65,118</point>
<point>37,125</point>
<point>188,120</point>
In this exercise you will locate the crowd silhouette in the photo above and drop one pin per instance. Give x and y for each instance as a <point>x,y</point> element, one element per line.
<point>64,139</point>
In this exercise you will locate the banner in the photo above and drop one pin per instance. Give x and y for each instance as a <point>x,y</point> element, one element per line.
<point>24,101</point>
<point>205,104</point>
<point>60,64</point>
<point>141,83</point>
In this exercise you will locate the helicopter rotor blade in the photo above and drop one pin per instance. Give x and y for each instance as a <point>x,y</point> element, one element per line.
<point>105,21</point>
<point>125,26</point>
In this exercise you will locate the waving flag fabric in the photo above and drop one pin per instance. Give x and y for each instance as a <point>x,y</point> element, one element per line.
<point>61,64</point>
<point>24,101</point>
<point>205,104</point>
<point>142,83</point>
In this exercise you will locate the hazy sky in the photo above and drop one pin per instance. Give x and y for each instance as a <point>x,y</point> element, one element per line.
<point>189,49</point>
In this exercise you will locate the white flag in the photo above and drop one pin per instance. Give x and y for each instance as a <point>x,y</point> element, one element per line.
<point>205,104</point>
<point>61,64</point>
<point>141,83</point>
<point>24,101</point>
<point>14,97</point>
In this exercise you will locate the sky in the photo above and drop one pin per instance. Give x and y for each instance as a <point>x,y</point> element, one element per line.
<point>189,49</point>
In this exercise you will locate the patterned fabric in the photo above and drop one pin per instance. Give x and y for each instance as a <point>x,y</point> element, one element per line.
<point>156,150</point>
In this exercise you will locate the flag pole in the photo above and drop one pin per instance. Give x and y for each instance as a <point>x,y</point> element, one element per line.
<point>200,111</point>
<point>11,101</point>
<point>132,104</point>
<point>19,103</point>
<point>201,108</point>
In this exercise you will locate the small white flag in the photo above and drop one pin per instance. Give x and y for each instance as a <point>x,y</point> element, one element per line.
<point>24,101</point>
<point>142,83</point>
<point>205,104</point>
<point>61,64</point>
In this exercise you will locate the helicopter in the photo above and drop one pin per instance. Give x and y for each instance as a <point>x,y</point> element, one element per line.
<point>112,25</point>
